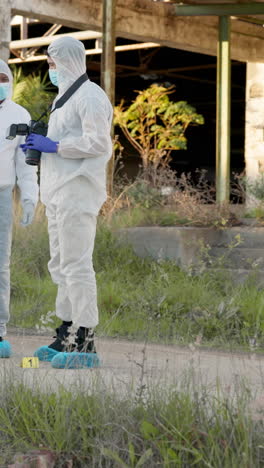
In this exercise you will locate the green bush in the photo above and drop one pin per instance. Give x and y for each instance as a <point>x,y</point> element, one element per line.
<point>142,194</point>
<point>34,92</point>
<point>155,125</point>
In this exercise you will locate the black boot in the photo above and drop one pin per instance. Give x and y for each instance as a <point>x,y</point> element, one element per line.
<point>60,344</point>
<point>85,340</point>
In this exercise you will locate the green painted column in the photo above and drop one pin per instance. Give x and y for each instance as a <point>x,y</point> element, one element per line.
<point>223,111</point>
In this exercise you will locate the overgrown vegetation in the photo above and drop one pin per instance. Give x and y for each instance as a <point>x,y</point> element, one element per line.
<point>255,197</point>
<point>169,428</point>
<point>155,126</point>
<point>255,187</point>
<point>34,92</point>
<point>162,197</point>
<point>139,298</point>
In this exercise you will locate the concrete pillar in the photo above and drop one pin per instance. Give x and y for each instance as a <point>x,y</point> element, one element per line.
<point>254,131</point>
<point>5,29</point>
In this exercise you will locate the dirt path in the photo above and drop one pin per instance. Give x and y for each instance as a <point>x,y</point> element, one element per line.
<point>132,367</point>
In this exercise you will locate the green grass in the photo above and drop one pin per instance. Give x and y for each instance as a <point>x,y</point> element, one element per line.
<point>162,427</point>
<point>257,212</point>
<point>172,428</point>
<point>139,298</point>
<point>142,216</point>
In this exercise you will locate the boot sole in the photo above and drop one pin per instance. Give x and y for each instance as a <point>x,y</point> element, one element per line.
<point>5,349</point>
<point>75,360</point>
<point>45,353</point>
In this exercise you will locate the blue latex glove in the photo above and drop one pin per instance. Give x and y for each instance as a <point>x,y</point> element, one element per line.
<point>40,143</point>
<point>23,147</point>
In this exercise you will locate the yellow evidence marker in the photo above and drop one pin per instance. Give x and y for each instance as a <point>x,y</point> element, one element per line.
<point>30,363</point>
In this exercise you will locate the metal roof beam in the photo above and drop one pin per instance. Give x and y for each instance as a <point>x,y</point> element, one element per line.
<point>17,19</point>
<point>123,48</point>
<point>217,9</point>
<point>51,32</point>
<point>46,40</point>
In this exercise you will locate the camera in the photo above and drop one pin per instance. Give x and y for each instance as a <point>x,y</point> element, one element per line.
<point>35,126</point>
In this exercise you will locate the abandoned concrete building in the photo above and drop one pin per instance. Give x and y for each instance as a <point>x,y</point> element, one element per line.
<point>212,51</point>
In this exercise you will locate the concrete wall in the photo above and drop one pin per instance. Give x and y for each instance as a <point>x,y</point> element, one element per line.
<point>239,249</point>
<point>5,30</point>
<point>254,141</point>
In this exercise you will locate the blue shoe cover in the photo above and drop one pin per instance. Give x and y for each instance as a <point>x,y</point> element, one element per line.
<point>45,353</point>
<point>75,360</point>
<point>5,349</point>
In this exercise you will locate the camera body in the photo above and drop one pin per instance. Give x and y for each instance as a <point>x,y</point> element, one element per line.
<point>35,126</point>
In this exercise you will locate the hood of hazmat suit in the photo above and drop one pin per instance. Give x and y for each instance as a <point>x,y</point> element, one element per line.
<point>83,129</point>
<point>12,158</point>
<point>4,68</point>
<point>69,57</point>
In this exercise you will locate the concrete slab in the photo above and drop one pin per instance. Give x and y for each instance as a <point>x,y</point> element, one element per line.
<point>128,367</point>
<point>237,250</point>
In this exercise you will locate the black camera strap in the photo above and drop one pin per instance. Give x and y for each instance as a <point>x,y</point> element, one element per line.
<point>66,96</point>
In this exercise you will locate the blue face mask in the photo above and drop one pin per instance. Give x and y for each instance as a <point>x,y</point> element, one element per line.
<point>53,77</point>
<point>4,91</point>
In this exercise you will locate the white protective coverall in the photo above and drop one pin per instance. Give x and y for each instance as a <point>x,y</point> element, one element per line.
<point>12,168</point>
<point>73,184</point>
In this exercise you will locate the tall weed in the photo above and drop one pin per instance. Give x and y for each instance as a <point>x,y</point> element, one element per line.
<point>169,428</point>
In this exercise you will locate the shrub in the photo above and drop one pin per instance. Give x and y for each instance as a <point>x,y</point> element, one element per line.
<point>155,126</point>
<point>33,92</point>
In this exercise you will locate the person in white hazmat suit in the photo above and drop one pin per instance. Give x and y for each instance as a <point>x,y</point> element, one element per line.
<point>73,188</point>
<point>12,168</point>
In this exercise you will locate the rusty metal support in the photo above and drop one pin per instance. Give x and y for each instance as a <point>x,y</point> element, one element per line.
<point>216,9</point>
<point>46,40</point>
<point>90,52</point>
<point>51,31</point>
<point>108,69</point>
